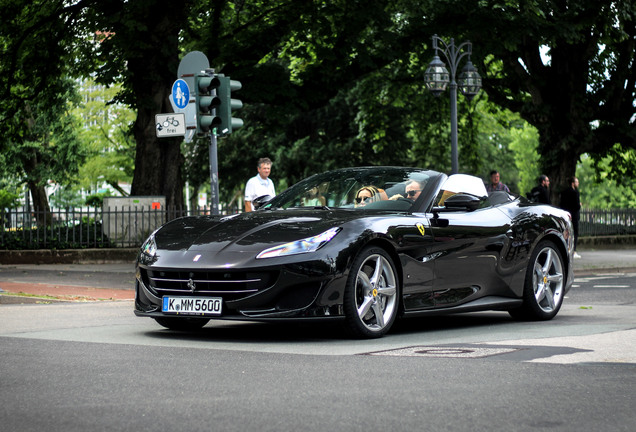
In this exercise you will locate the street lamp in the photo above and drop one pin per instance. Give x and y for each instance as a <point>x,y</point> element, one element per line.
<point>437,78</point>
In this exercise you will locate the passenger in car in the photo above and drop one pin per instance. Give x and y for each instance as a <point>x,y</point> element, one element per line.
<point>313,198</point>
<point>368,194</point>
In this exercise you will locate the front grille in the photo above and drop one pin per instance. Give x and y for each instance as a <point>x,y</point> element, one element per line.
<point>228,284</point>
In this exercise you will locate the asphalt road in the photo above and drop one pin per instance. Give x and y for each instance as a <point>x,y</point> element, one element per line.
<point>95,366</point>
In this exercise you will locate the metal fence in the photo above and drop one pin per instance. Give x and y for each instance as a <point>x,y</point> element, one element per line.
<point>618,222</point>
<point>129,227</point>
<point>87,228</point>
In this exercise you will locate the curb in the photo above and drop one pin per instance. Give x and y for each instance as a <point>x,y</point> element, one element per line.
<point>69,256</point>
<point>604,270</point>
<point>9,298</point>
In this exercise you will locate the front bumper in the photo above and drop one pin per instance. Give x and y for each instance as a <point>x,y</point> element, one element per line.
<point>292,291</point>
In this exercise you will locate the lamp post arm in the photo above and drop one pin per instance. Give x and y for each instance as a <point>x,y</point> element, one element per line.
<point>453,53</point>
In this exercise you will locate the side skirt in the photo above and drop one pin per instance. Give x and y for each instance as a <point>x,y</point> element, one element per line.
<point>482,304</point>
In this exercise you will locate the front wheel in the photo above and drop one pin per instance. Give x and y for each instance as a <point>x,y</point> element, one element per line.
<point>181,324</point>
<point>544,284</point>
<point>371,294</point>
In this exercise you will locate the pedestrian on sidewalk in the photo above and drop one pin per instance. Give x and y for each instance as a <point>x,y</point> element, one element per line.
<point>494,184</point>
<point>571,201</point>
<point>541,192</point>
<point>260,184</point>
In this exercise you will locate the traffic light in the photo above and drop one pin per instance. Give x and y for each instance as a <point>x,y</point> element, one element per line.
<point>207,101</point>
<point>227,105</point>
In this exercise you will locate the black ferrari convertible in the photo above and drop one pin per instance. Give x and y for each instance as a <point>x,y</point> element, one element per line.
<point>361,245</point>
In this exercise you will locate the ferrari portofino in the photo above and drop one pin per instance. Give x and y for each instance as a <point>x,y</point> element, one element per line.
<point>362,245</point>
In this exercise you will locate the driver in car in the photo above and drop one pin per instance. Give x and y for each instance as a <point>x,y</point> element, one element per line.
<point>412,191</point>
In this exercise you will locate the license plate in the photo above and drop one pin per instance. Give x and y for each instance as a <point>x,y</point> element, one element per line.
<point>192,305</point>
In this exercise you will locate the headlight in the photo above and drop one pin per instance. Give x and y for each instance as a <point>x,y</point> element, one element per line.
<point>309,244</point>
<point>149,248</point>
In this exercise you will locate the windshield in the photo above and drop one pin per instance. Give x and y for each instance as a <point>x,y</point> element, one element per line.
<point>368,188</point>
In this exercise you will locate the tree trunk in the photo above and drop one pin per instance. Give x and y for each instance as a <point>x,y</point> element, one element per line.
<point>41,208</point>
<point>157,162</point>
<point>152,69</point>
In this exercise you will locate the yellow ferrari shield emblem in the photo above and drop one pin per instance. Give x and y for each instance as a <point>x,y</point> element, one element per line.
<point>420,226</point>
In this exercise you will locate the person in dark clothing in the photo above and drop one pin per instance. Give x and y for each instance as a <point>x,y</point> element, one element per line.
<point>541,192</point>
<point>571,201</point>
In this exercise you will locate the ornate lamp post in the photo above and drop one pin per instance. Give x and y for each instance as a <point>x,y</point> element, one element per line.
<point>437,78</point>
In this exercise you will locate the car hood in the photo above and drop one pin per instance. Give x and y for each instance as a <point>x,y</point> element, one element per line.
<point>248,232</point>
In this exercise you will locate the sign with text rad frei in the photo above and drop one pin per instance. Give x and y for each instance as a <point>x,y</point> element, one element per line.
<point>169,125</point>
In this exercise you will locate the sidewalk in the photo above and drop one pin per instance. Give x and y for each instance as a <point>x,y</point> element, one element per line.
<point>605,260</point>
<point>38,283</point>
<point>33,283</point>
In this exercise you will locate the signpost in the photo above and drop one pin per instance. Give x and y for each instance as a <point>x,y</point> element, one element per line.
<point>192,63</point>
<point>184,99</point>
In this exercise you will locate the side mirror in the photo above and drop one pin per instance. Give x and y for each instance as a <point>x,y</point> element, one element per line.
<point>462,201</point>
<point>261,201</point>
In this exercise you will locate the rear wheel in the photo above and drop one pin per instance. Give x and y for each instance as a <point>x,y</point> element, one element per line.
<point>181,324</point>
<point>371,294</point>
<point>544,284</point>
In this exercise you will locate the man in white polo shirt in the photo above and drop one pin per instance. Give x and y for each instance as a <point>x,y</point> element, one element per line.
<point>260,184</point>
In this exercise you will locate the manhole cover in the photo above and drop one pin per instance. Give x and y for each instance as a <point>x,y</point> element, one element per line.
<point>453,352</point>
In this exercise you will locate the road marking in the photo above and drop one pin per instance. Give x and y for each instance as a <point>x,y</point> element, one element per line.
<point>597,278</point>
<point>611,286</point>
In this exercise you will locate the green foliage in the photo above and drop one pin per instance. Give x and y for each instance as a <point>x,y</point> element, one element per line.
<point>96,200</point>
<point>66,198</point>
<point>106,136</point>
<point>618,165</point>
<point>495,151</point>
<point>565,67</point>
<point>326,84</point>
<point>599,190</point>
<point>8,199</point>
<point>524,145</point>
<point>48,149</point>
<point>39,41</point>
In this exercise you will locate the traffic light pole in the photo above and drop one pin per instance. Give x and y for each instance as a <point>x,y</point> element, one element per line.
<point>214,106</point>
<point>214,176</point>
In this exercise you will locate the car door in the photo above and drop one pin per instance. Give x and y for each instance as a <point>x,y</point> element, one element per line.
<point>415,241</point>
<point>467,247</point>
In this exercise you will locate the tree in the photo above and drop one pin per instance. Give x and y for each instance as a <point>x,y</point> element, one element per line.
<point>325,83</point>
<point>580,97</point>
<point>39,143</point>
<point>339,82</point>
<point>139,47</point>
<point>599,190</point>
<point>107,136</point>
<point>49,149</point>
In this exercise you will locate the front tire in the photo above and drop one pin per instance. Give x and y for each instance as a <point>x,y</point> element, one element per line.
<point>371,294</point>
<point>544,284</point>
<point>182,324</point>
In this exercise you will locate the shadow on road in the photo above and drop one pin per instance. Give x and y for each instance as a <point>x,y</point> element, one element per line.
<point>285,332</point>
